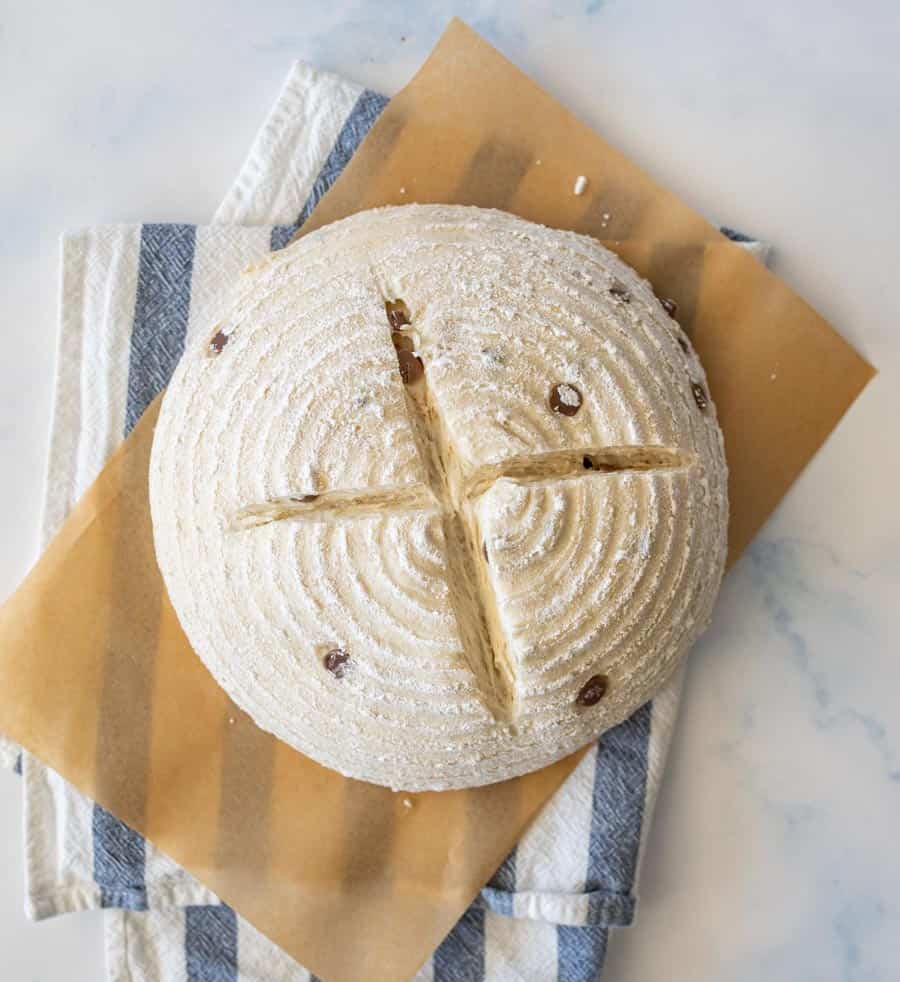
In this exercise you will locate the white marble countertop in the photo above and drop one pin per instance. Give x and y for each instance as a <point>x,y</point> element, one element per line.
<point>774,853</point>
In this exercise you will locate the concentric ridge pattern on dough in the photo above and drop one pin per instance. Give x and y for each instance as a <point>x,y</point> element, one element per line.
<point>477,555</point>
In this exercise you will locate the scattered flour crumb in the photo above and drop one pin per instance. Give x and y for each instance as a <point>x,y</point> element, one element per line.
<point>537,163</point>
<point>606,216</point>
<point>403,190</point>
<point>231,721</point>
<point>581,183</point>
<point>773,376</point>
<point>407,803</point>
<point>568,396</point>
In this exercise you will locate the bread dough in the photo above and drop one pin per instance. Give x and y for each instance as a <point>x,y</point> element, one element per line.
<point>442,498</point>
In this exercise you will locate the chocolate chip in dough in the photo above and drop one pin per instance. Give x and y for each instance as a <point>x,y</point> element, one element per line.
<point>669,306</point>
<point>303,498</point>
<point>402,342</point>
<point>592,691</point>
<point>218,342</point>
<point>397,313</point>
<point>565,399</point>
<point>411,367</point>
<point>682,343</point>
<point>620,293</point>
<point>700,396</point>
<point>587,463</point>
<point>335,660</point>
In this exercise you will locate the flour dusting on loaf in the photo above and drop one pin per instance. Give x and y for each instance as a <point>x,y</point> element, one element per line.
<point>443,497</point>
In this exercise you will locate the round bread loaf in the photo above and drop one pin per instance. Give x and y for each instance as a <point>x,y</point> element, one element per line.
<point>443,497</point>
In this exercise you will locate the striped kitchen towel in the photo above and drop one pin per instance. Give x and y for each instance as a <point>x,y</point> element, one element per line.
<point>131,297</point>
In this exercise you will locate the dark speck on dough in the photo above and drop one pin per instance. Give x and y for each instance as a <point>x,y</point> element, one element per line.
<point>218,342</point>
<point>700,396</point>
<point>592,691</point>
<point>335,660</point>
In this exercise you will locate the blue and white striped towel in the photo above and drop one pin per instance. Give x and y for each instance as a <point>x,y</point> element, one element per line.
<point>131,296</point>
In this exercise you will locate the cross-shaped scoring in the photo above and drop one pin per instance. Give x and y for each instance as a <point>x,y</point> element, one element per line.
<point>452,493</point>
